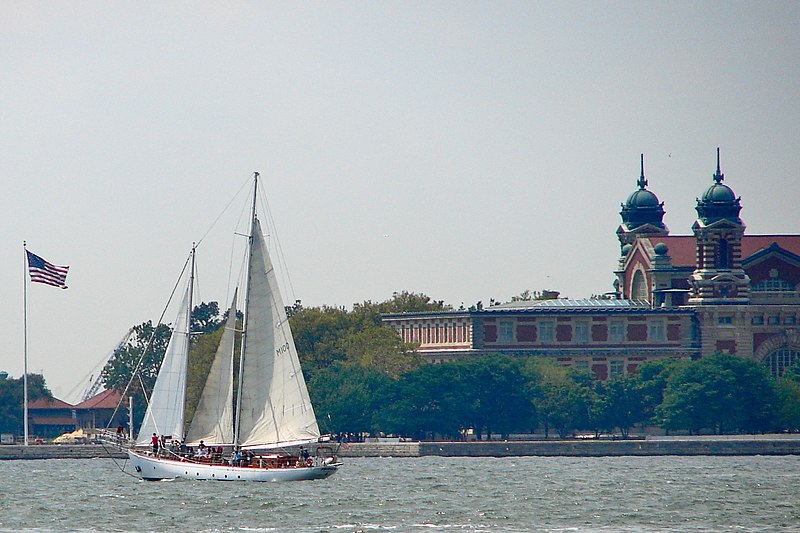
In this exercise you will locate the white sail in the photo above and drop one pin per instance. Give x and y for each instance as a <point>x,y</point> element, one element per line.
<point>213,419</point>
<point>275,407</point>
<point>165,412</point>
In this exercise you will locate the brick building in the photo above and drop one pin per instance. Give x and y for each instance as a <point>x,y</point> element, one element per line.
<point>716,290</point>
<point>52,417</point>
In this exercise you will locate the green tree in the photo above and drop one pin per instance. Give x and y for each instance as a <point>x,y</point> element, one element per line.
<point>147,344</point>
<point>653,377</point>
<point>621,404</point>
<point>382,349</point>
<point>409,302</point>
<point>498,393</point>
<point>317,334</point>
<point>430,401</point>
<point>12,399</point>
<point>205,318</point>
<point>528,295</point>
<point>326,335</point>
<point>565,398</point>
<point>346,397</point>
<point>787,388</point>
<point>722,393</point>
<point>788,415</point>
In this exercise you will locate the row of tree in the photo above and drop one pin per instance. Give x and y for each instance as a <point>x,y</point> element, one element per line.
<point>363,378</point>
<point>500,394</point>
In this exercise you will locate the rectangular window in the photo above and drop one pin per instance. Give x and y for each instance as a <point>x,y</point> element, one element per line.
<point>546,331</point>
<point>789,320</point>
<point>616,368</point>
<point>581,332</point>
<point>616,331</point>
<point>774,320</point>
<point>758,320</point>
<point>725,320</point>
<point>656,330</point>
<point>505,331</point>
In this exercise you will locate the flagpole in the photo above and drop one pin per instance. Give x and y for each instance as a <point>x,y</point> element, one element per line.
<point>25,342</point>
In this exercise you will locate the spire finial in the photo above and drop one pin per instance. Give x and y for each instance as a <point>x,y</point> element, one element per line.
<point>719,176</point>
<point>642,183</point>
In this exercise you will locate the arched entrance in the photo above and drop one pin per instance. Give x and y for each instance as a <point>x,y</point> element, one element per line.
<point>779,352</point>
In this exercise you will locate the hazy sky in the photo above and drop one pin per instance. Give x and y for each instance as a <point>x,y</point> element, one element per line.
<point>467,150</point>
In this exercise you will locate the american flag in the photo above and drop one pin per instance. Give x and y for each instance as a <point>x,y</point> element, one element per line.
<point>43,272</point>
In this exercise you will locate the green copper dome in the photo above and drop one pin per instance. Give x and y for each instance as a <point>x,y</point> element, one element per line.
<point>642,207</point>
<point>719,202</point>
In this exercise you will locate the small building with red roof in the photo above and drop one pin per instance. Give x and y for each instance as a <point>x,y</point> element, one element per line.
<point>50,417</point>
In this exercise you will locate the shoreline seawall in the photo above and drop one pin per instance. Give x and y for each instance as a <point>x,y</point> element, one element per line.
<point>723,445</point>
<point>653,446</point>
<point>60,451</point>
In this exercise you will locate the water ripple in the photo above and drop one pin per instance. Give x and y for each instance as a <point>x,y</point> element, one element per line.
<point>430,494</point>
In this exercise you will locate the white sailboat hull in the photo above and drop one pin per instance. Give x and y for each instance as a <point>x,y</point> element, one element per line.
<point>153,468</point>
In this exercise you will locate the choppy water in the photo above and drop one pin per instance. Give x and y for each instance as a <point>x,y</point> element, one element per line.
<point>430,494</point>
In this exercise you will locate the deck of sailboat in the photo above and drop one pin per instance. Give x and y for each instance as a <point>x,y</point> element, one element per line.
<point>273,467</point>
<point>265,461</point>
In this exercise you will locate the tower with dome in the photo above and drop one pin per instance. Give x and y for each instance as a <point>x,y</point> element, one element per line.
<point>713,290</point>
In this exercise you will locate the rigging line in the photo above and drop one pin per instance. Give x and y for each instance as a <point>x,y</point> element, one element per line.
<point>240,277</point>
<point>136,370</point>
<point>284,269</point>
<point>116,462</point>
<point>224,210</point>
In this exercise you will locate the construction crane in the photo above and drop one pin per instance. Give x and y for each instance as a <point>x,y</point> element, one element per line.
<point>95,377</point>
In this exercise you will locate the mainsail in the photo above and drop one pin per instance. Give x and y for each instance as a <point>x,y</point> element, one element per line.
<point>213,419</point>
<point>165,412</point>
<point>275,408</point>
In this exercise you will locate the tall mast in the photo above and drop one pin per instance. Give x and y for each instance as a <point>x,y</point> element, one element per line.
<point>185,368</point>
<point>238,411</point>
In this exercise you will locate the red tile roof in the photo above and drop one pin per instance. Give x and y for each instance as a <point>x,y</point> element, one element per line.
<point>45,403</point>
<point>108,399</point>
<point>683,248</point>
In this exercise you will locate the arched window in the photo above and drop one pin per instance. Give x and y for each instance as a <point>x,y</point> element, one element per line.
<point>780,360</point>
<point>724,254</point>
<point>639,286</point>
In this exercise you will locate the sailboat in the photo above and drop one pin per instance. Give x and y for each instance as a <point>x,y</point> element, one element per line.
<point>262,435</point>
